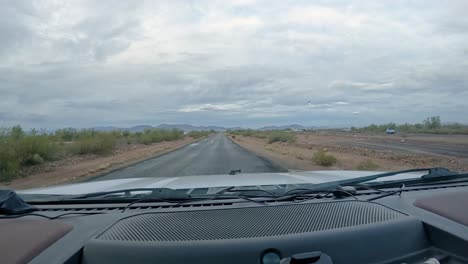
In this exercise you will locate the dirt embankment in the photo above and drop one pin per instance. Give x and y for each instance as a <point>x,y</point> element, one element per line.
<point>387,152</point>
<point>80,168</point>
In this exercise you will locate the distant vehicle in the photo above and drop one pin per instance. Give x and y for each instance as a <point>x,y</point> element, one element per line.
<point>390,131</point>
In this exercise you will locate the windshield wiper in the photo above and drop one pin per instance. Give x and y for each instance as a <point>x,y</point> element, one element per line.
<point>343,188</point>
<point>435,173</point>
<point>160,194</point>
<point>433,177</point>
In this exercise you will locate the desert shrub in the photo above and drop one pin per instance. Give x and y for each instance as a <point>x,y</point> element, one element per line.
<point>280,136</point>
<point>145,139</point>
<point>100,144</point>
<point>198,134</point>
<point>30,148</point>
<point>272,136</point>
<point>150,136</point>
<point>367,165</point>
<point>323,159</point>
<point>66,134</point>
<point>9,162</point>
<point>244,132</point>
<point>126,133</point>
<point>18,149</point>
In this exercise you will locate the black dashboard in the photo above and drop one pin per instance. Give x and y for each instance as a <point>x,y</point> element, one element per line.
<point>423,225</point>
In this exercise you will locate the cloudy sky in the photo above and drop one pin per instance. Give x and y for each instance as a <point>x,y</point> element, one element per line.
<point>239,63</point>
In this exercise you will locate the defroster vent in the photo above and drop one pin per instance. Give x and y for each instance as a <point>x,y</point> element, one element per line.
<point>249,222</point>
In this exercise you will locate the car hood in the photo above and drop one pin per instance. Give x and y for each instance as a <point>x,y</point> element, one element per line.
<point>209,181</point>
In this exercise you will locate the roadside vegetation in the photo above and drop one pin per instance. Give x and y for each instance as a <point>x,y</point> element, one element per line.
<point>20,149</point>
<point>199,134</point>
<point>321,158</point>
<point>367,165</point>
<point>431,125</point>
<point>150,136</point>
<point>271,135</point>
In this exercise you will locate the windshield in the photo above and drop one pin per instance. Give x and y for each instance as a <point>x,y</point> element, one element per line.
<point>102,96</point>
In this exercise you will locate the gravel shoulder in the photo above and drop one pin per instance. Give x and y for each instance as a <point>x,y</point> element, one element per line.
<point>85,167</point>
<point>389,152</point>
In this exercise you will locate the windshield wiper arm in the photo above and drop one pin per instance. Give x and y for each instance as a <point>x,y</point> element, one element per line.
<point>433,173</point>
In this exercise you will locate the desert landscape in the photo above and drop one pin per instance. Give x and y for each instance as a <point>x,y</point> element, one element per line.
<point>360,151</point>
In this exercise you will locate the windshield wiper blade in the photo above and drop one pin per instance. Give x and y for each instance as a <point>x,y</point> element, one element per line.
<point>433,173</point>
<point>425,180</point>
<point>162,193</point>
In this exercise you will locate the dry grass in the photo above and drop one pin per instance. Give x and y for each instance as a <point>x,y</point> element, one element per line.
<point>321,158</point>
<point>367,165</point>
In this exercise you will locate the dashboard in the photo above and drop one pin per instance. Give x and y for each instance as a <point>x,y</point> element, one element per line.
<point>423,225</point>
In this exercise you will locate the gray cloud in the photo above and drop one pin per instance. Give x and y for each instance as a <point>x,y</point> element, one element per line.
<point>217,63</point>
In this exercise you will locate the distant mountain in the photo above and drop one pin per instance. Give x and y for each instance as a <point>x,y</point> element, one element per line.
<point>292,127</point>
<point>139,128</point>
<point>106,128</point>
<point>186,127</point>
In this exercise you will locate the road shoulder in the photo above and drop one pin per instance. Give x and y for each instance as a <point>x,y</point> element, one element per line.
<point>92,167</point>
<point>298,155</point>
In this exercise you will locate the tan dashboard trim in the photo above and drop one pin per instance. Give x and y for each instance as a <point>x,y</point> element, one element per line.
<point>449,205</point>
<point>21,240</point>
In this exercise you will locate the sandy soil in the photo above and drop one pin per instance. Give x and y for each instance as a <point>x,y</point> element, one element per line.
<point>389,152</point>
<point>79,168</point>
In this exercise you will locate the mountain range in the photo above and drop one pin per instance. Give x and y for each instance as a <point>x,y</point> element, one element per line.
<point>187,127</point>
<point>292,127</point>
<point>183,127</point>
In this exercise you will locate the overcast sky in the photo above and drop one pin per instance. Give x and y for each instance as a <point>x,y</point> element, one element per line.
<point>239,63</point>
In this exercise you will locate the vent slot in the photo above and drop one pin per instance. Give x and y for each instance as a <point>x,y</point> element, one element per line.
<point>134,207</point>
<point>250,222</point>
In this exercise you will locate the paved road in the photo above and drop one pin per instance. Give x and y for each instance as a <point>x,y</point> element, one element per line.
<point>213,155</point>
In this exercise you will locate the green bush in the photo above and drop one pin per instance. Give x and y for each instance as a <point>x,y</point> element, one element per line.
<point>150,136</point>
<point>323,159</point>
<point>101,144</point>
<point>199,134</point>
<point>367,165</point>
<point>146,139</point>
<point>252,133</point>
<point>9,162</point>
<point>18,149</point>
<point>281,137</point>
<point>37,159</point>
<point>126,133</point>
<point>66,134</point>
<point>30,147</point>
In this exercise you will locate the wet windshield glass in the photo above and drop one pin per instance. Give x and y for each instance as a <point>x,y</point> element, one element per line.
<point>99,96</point>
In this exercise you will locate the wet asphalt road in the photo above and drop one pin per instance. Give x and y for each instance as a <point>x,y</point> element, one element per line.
<point>214,155</point>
